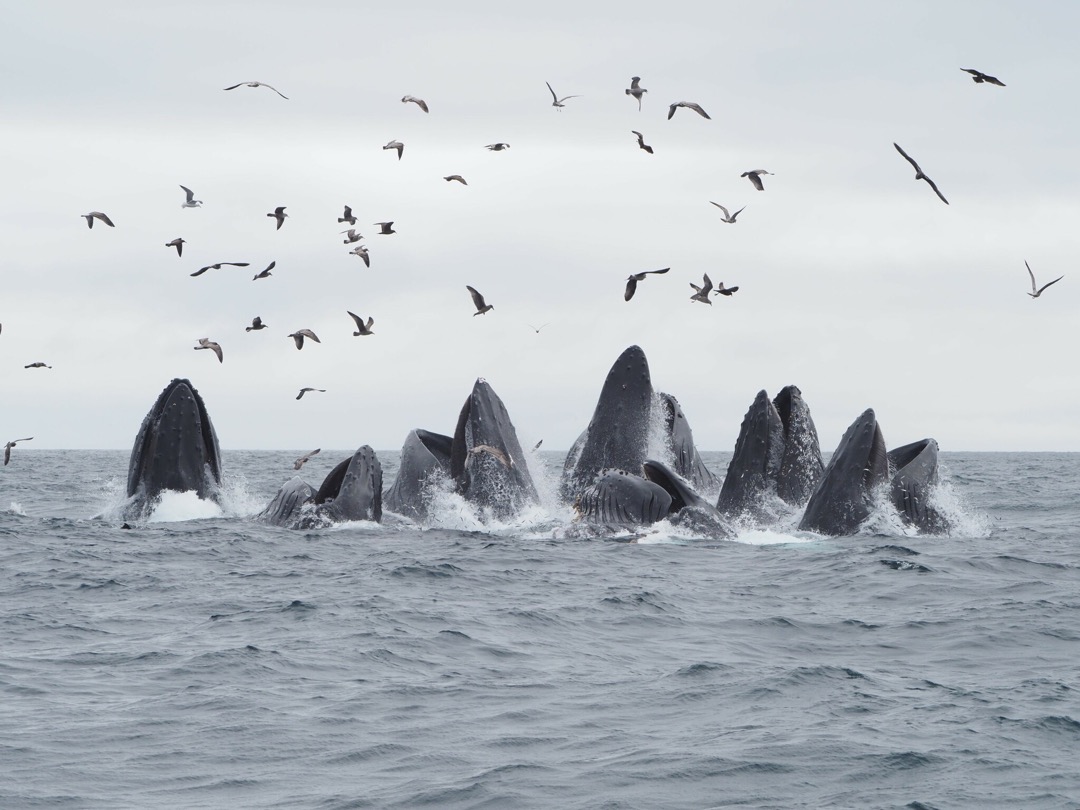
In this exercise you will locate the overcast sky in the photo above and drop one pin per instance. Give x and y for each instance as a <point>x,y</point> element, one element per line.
<point>856,282</point>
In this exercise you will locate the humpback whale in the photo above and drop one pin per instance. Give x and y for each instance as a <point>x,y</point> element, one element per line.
<point>801,465</point>
<point>777,454</point>
<point>755,464</point>
<point>843,498</point>
<point>351,491</point>
<point>916,473</point>
<point>425,456</point>
<point>618,434</point>
<point>176,449</point>
<point>619,499</point>
<point>486,460</point>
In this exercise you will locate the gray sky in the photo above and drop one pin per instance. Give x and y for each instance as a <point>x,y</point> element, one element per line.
<point>856,282</point>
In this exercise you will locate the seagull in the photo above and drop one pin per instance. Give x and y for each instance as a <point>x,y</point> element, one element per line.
<point>304,391</point>
<point>177,243</point>
<point>386,228</point>
<point>190,202</point>
<point>265,273</point>
<point>218,266</point>
<point>702,293</point>
<point>362,328</point>
<point>9,445</point>
<point>1035,293</point>
<point>558,102</point>
<point>419,102</point>
<point>919,173</point>
<point>258,84</point>
<point>754,175</point>
<point>396,145</point>
<point>689,105</point>
<point>641,139</point>
<point>728,217</point>
<point>362,252</point>
<point>97,215</point>
<point>256,325</point>
<point>347,217</point>
<point>979,77</point>
<point>497,147</point>
<point>279,214</point>
<point>636,90</point>
<point>478,301</point>
<point>299,335</point>
<point>536,328</point>
<point>304,459</point>
<point>494,452</point>
<point>352,236</point>
<point>632,282</point>
<point>457,177</point>
<point>537,445</point>
<point>207,343</point>
<point>722,290</point>
<point>37,364</point>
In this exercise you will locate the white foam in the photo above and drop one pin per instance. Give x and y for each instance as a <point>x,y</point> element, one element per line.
<point>176,506</point>
<point>15,508</point>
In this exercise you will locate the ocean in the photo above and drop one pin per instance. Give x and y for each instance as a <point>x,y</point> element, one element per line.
<point>203,660</point>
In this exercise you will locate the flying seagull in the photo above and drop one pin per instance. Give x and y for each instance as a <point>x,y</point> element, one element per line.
<point>396,145</point>
<point>265,273</point>
<point>190,202</point>
<point>1035,293</point>
<point>347,217</point>
<point>361,327</point>
<point>419,102</point>
<point>728,217</point>
<point>478,301</point>
<point>299,335</point>
<point>218,266</point>
<point>362,252</point>
<point>177,243</point>
<point>207,343</point>
<point>689,105</point>
<point>97,215</point>
<point>304,459</point>
<point>385,228</point>
<point>257,84</point>
<point>9,445</point>
<point>636,90</point>
<point>702,293</point>
<point>36,364</point>
<point>919,173</point>
<point>457,177</point>
<point>256,325</point>
<point>497,147</point>
<point>536,328</point>
<point>351,236</point>
<point>279,214</point>
<point>754,176</point>
<point>979,77</point>
<point>632,282</point>
<point>641,140</point>
<point>306,390</point>
<point>722,290</point>
<point>558,102</point>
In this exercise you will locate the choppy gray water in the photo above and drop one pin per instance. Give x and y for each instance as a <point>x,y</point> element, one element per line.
<point>204,660</point>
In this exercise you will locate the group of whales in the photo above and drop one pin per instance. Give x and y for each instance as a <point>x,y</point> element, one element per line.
<point>613,475</point>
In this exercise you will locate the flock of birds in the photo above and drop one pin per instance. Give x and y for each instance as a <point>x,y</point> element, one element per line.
<point>701,292</point>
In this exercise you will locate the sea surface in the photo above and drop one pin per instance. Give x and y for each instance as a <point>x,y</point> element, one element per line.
<point>204,660</point>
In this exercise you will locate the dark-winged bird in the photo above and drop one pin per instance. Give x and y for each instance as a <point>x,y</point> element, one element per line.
<point>478,300</point>
<point>632,282</point>
<point>979,77</point>
<point>919,173</point>
<point>1035,293</point>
